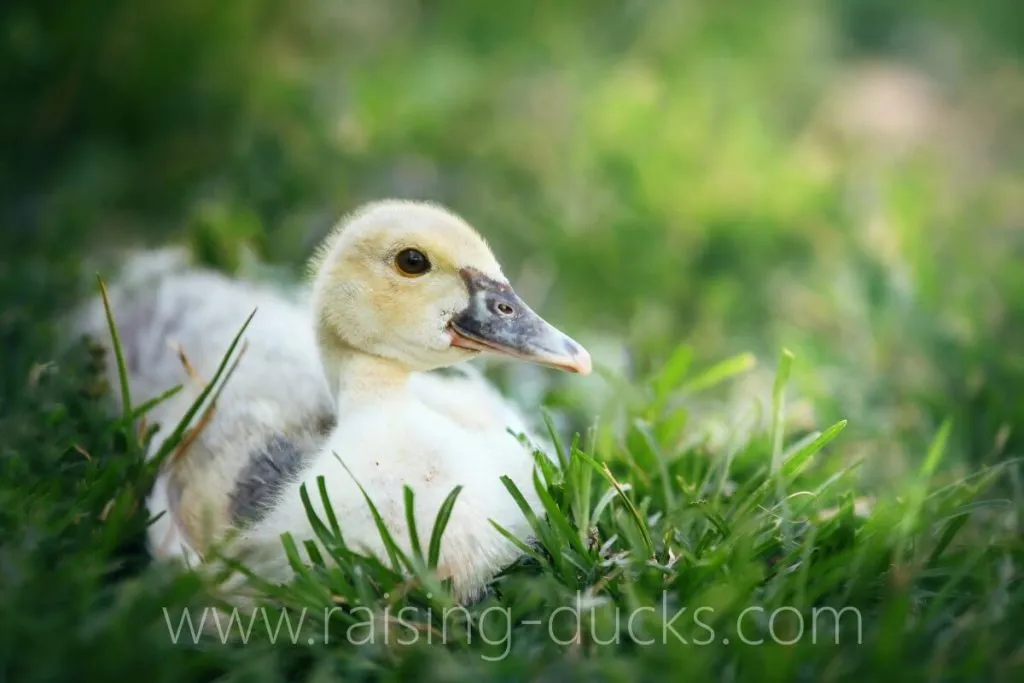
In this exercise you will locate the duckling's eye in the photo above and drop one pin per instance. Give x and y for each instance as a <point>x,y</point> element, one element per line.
<point>412,262</point>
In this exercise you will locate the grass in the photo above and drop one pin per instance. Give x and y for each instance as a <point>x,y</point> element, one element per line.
<point>789,234</point>
<point>650,559</point>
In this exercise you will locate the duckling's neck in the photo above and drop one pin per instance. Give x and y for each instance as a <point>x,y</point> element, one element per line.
<point>357,376</point>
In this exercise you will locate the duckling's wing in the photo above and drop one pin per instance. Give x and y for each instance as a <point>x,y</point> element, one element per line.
<point>176,322</point>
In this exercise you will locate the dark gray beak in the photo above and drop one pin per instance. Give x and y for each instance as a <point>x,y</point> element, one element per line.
<point>498,321</point>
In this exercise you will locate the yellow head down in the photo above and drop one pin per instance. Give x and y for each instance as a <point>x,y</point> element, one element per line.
<point>414,283</point>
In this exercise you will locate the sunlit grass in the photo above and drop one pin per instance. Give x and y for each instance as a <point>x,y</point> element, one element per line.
<point>648,557</point>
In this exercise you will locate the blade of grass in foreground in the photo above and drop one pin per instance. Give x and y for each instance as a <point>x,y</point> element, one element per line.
<point>126,399</point>
<point>669,376</point>
<point>319,528</point>
<point>129,414</point>
<point>569,536</point>
<point>310,585</point>
<point>395,556</point>
<point>659,457</point>
<point>522,547</point>
<point>172,441</point>
<point>410,521</point>
<point>952,524</point>
<point>638,519</point>
<point>444,513</point>
<point>154,402</point>
<point>321,484</point>
<point>798,460</point>
<point>538,527</point>
<point>719,373</point>
<point>777,430</point>
<point>549,424</point>
<point>919,491</point>
<point>580,475</point>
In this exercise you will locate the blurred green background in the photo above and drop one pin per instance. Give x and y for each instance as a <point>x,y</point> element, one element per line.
<point>842,179</point>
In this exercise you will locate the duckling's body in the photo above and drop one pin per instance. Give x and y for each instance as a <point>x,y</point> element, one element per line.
<point>176,323</point>
<point>394,435</point>
<point>325,388</point>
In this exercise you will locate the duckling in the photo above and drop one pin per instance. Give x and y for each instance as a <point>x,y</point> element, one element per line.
<point>364,382</point>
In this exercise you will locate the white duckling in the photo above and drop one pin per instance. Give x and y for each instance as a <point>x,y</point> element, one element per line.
<point>400,290</point>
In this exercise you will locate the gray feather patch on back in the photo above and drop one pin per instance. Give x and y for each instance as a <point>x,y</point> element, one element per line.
<point>269,470</point>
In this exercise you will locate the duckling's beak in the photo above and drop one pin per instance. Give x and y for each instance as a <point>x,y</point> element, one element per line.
<point>497,320</point>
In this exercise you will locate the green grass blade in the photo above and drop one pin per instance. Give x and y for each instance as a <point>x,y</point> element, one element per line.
<point>444,513</point>
<point>777,431</point>
<point>570,537</point>
<point>309,583</point>
<point>395,556</point>
<point>720,372</point>
<point>171,442</point>
<point>936,450</point>
<point>410,521</point>
<point>154,402</point>
<point>659,458</point>
<point>641,525</point>
<point>540,529</point>
<point>949,532</point>
<point>605,500</point>
<point>332,520</point>
<point>581,478</point>
<point>670,375</point>
<point>319,528</point>
<point>122,367</point>
<point>778,409</point>
<point>953,523</point>
<point>796,462</point>
<point>520,545</point>
<point>556,441</point>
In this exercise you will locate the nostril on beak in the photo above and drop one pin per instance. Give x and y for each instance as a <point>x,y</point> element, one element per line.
<point>504,309</point>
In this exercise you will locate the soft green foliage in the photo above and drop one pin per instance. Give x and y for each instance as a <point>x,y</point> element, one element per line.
<point>814,261</point>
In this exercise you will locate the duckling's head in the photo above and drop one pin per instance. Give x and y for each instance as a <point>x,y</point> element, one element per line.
<point>413,283</point>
